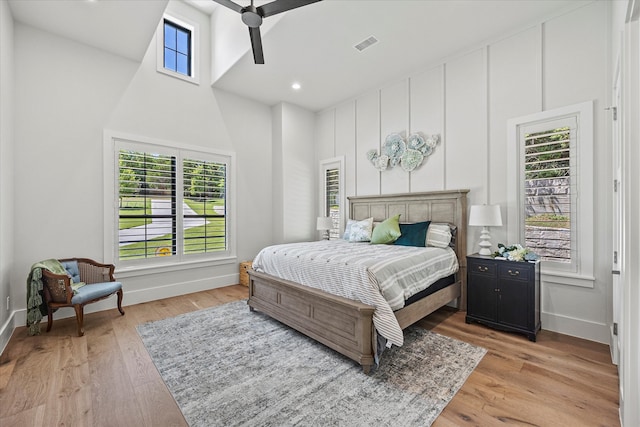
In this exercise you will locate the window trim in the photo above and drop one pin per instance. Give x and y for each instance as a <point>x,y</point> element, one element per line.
<point>583,274</point>
<point>112,141</point>
<point>332,163</point>
<point>194,52</point>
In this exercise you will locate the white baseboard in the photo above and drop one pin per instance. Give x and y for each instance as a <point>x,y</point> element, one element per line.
<point>7,330</point>
<point>613,346</point>
<point>19,317</point>
<point>593,331</point>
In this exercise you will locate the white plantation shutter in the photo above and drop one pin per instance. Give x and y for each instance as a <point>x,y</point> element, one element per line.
<point>205,188</point>
<point>147,204</point>
<point>172,203</point>
<point>332,200</point>
<point>550,188</point>
<point>332,193</point>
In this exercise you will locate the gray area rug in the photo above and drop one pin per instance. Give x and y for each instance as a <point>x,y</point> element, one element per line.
<point>227,366</point>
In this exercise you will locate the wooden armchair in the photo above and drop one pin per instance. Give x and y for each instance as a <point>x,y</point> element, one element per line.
<point>99,284</point>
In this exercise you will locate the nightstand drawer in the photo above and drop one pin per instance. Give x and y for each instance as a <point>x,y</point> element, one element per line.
<point>511,271</point>
<point>483,268</point>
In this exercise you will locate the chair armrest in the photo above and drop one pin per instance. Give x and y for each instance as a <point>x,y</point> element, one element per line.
<point>57,287</point>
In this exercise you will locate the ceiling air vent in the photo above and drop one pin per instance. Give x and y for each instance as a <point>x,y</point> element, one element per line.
<point>366,43</point>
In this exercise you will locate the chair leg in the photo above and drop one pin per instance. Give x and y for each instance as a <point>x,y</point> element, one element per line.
<point>49,318</point>
<point>80,318</point>
<point>120,302</point>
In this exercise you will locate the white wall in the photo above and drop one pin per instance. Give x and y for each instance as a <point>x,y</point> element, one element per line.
<point>294,173</point>
<point>468,99</point>
<point>66,95</point>
<point>6,170</point>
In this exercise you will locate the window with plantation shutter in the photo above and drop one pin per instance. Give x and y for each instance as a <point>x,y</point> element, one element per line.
<point>549,169</point>
<point>550,191</point>
<point>332,200</point>
<point>332,194</point>
<point>172,203</point>
<point>204,192</point>
<point>147,205</point>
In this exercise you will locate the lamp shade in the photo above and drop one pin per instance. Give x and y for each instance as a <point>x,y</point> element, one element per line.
<point>485,215</point>
<point>324,223</point>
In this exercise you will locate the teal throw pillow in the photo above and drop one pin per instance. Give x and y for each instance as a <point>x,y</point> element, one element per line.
<point>387,231</point>
<point>413,234</point>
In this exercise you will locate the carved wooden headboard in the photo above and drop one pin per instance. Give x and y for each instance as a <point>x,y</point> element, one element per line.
<point>437,206</point>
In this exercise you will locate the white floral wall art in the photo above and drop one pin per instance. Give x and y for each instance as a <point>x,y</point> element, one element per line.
<point>408,154</point>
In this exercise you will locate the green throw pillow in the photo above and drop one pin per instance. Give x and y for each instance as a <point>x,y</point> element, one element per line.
<point>387,231</point>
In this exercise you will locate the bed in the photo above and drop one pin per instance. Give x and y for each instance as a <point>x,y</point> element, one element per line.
<point>347,325</point>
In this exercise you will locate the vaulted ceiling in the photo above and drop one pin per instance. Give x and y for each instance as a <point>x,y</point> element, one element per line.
<point>312,45</point>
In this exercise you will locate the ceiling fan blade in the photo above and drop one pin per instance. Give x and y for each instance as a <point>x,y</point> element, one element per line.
<point>256,45</point>
<point>279,6</point>
<point>231,5</point>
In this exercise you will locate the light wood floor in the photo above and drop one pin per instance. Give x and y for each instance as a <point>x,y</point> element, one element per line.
<point>106,378</point>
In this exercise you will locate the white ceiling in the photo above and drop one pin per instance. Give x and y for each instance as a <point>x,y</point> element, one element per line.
<point>124,28</point>
<point>313,44</point>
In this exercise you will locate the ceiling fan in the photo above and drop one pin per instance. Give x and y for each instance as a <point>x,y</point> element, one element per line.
<point>252,16</point>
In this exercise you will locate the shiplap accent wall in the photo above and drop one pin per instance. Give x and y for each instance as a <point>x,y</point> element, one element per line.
<point>468,99</point>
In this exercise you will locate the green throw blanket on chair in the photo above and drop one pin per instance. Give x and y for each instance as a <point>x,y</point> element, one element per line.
<point>36,305</point>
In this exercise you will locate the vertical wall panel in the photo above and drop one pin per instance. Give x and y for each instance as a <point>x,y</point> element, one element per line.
<point>346,145</point>
<point>574,44</point>
<point>466,135</point>
<point>427,117</point>
<point>325,134</point>
<point>367,138</point>
<point>394,118</point>
<point>514,90</point>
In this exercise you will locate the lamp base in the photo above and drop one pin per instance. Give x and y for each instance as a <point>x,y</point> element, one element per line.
<point>485,242</point>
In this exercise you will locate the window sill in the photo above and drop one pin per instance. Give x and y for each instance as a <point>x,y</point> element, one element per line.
<point>141,270</point>
<point>190,79</point>
<point>571,279</point>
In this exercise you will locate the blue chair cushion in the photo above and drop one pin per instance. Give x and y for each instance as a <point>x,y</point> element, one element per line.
<point>72,270</point>
<point>95,290</point>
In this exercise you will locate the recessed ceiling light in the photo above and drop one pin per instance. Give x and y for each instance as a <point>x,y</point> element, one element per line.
<point>296,86</point>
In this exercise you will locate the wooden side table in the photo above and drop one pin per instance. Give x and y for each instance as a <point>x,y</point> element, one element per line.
<point>244,275</point>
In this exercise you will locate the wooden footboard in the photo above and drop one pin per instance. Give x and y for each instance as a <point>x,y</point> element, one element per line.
<point>339,323</point>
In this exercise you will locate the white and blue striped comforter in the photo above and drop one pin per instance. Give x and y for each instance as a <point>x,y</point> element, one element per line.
<point>382,276</point>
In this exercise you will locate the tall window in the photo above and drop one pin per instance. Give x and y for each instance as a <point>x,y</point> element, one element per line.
<point>552,165</point>
<point>332,194</point>
<point>177,48</point>
<point>549,169</point>
<point>171,203</point>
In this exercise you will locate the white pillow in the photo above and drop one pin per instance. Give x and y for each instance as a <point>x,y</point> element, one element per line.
<point>438,235</point>
<point>347,229</point>
<point>361,230</point>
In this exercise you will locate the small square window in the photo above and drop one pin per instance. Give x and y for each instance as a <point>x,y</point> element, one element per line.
<point>177,42</point>
<point>177,48</point>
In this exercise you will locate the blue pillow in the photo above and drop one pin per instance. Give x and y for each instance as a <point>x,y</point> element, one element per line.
<point>72,270</point>
<point>413,234</point>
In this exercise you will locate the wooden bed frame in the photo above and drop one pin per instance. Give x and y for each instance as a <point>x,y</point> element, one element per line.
<point>346,325</point>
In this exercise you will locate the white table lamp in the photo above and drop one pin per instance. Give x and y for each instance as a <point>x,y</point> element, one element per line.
<point>324,224</point>
<point>485,216</point>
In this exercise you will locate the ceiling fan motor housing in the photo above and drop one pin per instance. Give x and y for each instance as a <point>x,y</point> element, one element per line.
<point>250,17</point>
